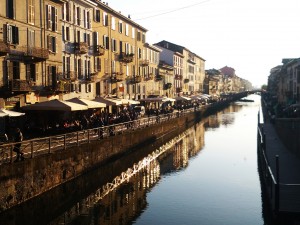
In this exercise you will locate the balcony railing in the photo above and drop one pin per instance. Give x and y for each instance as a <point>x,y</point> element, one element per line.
<point>126,58</point>
<point>178,90</point>
<point>91,78</point>
<point>159,77</point>
<point>117,77</point>
<point>99,50</point>
<point>167,86</point>
<point>149,77</point>
<point>144,62</point>
<point>18,85</point>
<point>62,86</point>
<point>134,79</point>
<point>178,77</point>
<point>81,48</point>
<point>4,49</point>
<point>186,80</point>
<point>35,54</point>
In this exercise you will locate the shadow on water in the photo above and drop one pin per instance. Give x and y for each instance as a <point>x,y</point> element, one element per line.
<point>79,201</point>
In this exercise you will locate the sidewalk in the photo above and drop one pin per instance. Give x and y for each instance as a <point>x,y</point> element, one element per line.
<point>289,170</point>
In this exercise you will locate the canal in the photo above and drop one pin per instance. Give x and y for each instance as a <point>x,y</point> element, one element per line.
<point>206,175</point>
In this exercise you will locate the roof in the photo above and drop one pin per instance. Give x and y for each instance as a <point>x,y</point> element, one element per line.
<point>175,48</point>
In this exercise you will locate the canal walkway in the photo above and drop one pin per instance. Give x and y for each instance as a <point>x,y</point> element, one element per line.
<point>280,170</point>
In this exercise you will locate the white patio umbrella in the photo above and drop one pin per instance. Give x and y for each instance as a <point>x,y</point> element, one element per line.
<point>89,103</point>
<point>56,105</point>
<point>5,112</point>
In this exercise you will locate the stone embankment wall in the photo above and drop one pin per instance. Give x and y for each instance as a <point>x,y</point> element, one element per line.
<point>24,180</point>
<point>288,129</point>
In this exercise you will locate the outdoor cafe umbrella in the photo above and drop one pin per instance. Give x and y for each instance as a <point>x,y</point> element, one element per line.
<point>56,105</point>
<point>128,101</point>
<point>182,98</point>
<point>5,112</point>
<point>107,101</point>
<point>90,104</point>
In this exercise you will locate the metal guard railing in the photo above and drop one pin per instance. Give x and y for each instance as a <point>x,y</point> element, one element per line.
<point>39,146</point>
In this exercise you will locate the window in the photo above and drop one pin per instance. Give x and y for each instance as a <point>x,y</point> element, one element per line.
<point>30,72</point>
<point>127,48</point>
<point>113,66</point>
<point>113,23</point>
<point>67,35</point>
<point>31,11</point>
<point>51,76</point>
<point>126,29</point>
<point>120,27</point>
<point>97,15</point>
<point>105,19</point>
<point>86,19</point>
<point>52,43</point>
<point>113,45</point>
<point>98,64</point>
<point>88,88</point>
<point>14,70</point>
<point>106,66</point>
<point>139,36</point>
<point>10,9</point>
<point>66,13</point>
<point>95,38</point>
<point>106,42</point>
<point>140,53</point>
<point>12,34</point>
<point>31,38</point>
<point>78,15</point>
<point>52,18</point>
<point>79,69</point>
<point>133,33</point>
<point>87,38</point>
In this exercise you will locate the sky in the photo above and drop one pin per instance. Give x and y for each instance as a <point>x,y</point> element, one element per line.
<point>251,36</point>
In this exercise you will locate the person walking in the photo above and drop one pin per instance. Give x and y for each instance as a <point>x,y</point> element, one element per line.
<point>17,147</point>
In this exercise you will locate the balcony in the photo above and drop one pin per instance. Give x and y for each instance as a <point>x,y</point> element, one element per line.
<point>62,86</point>
<point>144,62</point>
<point>35,54</point>
<point>167,86</point>
<point>91,78</point>
<point>81,48</point>
<point>117,77</point>
<point>134,79</point>
<point>4,49</point>
<point>178,77</point>
<point>126,58</point>
<point>159,77</point>
<point>149,77</point>
<point>99,50</point>
<point>18,85</point>
<point>179,89</point>
<point>71,75</point>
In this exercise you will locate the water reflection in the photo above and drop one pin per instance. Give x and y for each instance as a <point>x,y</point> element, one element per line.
<point>117,193</point>
<point>127,201</point>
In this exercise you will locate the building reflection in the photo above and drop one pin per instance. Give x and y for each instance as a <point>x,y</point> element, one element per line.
<point>126,202</point>
<point>225,117</point>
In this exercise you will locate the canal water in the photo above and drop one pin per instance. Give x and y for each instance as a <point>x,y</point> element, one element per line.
<point>207,175</point>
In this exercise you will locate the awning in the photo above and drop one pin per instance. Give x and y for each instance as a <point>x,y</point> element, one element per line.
<point>165,99</point>
<point>182,98</point>
<point>90,104</point>
<point>108,102</point>
<point>55,105</point>
<point>5,112</point>
<point>129,101</point>
<point>158,99</point>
